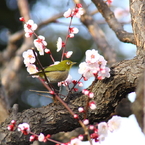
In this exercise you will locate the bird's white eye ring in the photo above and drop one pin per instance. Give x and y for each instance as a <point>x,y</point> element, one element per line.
<point>68,63</point>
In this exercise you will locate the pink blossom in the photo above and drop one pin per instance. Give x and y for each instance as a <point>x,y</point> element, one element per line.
<point>33,138</point>
<point>80,137</point>
<point>88,69</point>
<point>24,128</point>
<point>22,19</point>
<point>40,44</point>
<point>85,70</point>
<point>92,105</point>
<point>42,138</point>
<point>79,5</point>
<point>76,116</point>
<point>71,35</point>
<point>73,30</point>
<point>13,122</point>
<point>85,91</point>
<point>81,109</point>
<point>95,65</point>
<point>10,127</point>
<point>77,12</point>
<point>91,127</point>
<point>114,123</point>
<point>59,44</point>
<point>29,28</point>
<point>29,57</point>
<point>86,122</point>
<point>68,54</point>
<point>101,61</point>
<point>102,130</point>
<point>47,51</point>
<point>67,13</point>
<point>80,84</point>
<point>28,34</point>
<point>105,73</point>
<point>75,89</point>
<point>31,68</point>
<point>66,82</point>
<point>109,1</point>
<point>91,95</point>
<point>92,56</point>
<point>75,141</point>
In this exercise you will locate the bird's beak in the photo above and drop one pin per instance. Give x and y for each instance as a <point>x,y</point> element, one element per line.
<point>73,63</point>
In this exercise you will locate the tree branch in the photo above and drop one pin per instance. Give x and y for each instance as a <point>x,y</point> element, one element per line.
<point>54,118</point>
<point>138,106</point>
<point>113,23</point>
<point>97,35</point>
<point>137,9</point>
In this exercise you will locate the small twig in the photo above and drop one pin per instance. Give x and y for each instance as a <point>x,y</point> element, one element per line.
<point>41,67</point>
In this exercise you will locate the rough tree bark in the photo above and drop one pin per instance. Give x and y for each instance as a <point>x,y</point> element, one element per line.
<point>54,118</point>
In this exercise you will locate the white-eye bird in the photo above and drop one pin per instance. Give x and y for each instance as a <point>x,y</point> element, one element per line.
<point>58,72</point>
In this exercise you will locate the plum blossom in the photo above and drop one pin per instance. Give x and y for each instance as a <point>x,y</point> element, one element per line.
<point>104,73</point>
<point>42,138</point>
<point>47,51</point>
<point>59,44</point>
<point>114,123</point>
<point>24,128</point>
<point>85,70</point>
<point>12,125</point>
<point>80,84</point>
<point>91,95</point>
<point>71,35</point>
<point>22,19</point>
<point>68,54</point>
<point>33,138</point>
<point>86,122</point>
<point>31,68</point>
<point>29,28</point>
<point>92,56</point>
<point>79,5</point>
<point>85,92</point>
<point>73,30</point>
<point>40,44</point>
<point>95,65</point>
<point>88,69</point>
<point>102,130</point>
<point>66,82</point>
<point>92,105</point>
<point>81,109</point>
<point>109,1</point>
<point>67,13</point>
<point>29,57</point>
<point>77,12</point>
<point>75,141</point>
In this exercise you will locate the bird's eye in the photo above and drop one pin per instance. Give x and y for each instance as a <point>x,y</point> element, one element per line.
<point>68,63</point>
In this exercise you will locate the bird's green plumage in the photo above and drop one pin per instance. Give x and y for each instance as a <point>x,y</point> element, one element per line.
<point>63,65</point>
<point>57,73</point>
